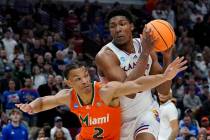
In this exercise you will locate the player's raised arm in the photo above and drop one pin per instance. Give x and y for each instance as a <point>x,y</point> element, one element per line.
<point>46,102</point>
<point>147,82</point>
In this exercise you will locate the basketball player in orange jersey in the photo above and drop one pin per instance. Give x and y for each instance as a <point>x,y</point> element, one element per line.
<point>96,104</point>
<point>126,58</point>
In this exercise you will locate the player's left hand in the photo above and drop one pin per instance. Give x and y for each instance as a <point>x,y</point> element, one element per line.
<point>174,68</point>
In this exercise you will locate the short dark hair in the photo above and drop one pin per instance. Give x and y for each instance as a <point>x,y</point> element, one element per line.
<point>72,66</point>
<point>119,12</point>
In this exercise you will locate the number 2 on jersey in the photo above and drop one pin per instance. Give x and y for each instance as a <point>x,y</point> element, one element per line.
<point>98,134</point>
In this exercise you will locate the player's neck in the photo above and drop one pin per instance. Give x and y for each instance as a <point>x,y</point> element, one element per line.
<point>85,97</point>
<point>128,47</point>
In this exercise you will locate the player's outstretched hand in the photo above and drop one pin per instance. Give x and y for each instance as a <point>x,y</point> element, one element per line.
<point>175,67</point>
<point>25,108</point>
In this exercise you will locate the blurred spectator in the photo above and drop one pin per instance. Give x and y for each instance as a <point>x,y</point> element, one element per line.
<point>201,7</point>
<point>18,54</point>
<point>179,90</point>
<point>204,110</point>
<point>38,77</point>
<point>15,130</point>
<point>26,22</point>
<point>93,74</point>
<point>159,12</point>
<point>59,135</point>
<point>208,137</point>
<point>10,97</point>
<point>42,134</point>
<point>40,62</point>
<point>190,137</point>
<point>205,124</point>
<point>169,125</point>
<point>4,119</point>
<point>72,21</point>
<point>18,71</point>
<point>27,64</point>
<point>170,15</point>
<point>187,122</point>
<point>184,132</point>
<point>202,134</point>
<point>200,64</point>
<point>49,88</point>
<point>205,94</point>
<point>4,63</point>
<point>8,76</point>
<point>48,58</point>
<point>9,42</point>
<point>58,124</point>
<point>59,82</point>
<point>59,64</point>
<point>58,44</point>
<point>191,100</point>
<point>28,94</point>
<point>36,50</point>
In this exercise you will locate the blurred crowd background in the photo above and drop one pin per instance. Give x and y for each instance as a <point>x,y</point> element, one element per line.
<point>38,38</point>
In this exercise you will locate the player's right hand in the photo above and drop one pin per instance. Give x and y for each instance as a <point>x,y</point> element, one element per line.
<point>25,108</point>
<point>148,40</point>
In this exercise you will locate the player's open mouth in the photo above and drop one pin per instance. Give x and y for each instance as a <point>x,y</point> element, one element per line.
<point>86,87</point>
<point>120,37</point>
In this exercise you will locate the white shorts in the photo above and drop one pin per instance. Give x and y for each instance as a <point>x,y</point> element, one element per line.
<point>148,121</point>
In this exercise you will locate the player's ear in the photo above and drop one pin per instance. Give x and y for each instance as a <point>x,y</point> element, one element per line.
<point>68,83</point>
<point>132,26</point>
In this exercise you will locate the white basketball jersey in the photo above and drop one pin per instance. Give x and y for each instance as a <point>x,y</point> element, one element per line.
<point>131,108</point>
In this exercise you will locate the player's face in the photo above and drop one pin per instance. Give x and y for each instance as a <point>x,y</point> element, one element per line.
<point>120,29</point>
<point>79,79</point>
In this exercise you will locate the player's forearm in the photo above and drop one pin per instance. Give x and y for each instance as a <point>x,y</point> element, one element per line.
<point>165,87</point>
<point>166,61</point>
<point>149,82</point>
<point>141,84</point>
<point>140,68</point>
<point>173,134</point>
<point>42,104</point>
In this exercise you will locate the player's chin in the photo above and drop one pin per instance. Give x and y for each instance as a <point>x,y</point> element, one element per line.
<point>120,41</point>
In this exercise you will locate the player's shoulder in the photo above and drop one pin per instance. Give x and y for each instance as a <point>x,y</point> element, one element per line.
<point>105,54</point>
<point>169,105</point>
<point>65,91</point>
<point>105,49</point>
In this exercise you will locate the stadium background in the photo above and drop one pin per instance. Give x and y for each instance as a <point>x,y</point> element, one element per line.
<point>38,38</point>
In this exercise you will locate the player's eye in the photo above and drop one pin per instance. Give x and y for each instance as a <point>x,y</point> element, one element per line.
<point>123,23</point>
<point>77,79</point>
<point>112,26</point>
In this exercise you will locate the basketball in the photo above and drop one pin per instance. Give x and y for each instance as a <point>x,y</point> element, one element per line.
<point>165,33</point>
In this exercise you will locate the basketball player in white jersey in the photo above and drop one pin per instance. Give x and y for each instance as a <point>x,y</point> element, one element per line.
<point>169,124</point>
<point>126,58</point>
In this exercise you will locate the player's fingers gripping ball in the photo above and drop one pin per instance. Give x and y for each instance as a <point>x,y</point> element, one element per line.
<point>164,32</point>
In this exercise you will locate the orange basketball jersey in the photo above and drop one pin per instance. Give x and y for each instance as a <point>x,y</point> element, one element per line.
<point>98,120</point>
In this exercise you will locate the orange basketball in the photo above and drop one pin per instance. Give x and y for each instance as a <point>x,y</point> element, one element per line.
<point>165,33</point>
